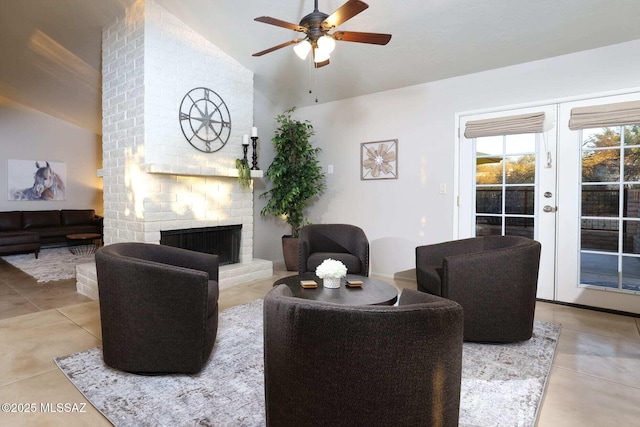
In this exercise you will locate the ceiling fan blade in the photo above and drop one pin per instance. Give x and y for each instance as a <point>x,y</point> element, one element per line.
<point>280,23</point>
<point>321,64</point>
<point>358,37</point>
<point>280,46</point>
<point>345,12</point>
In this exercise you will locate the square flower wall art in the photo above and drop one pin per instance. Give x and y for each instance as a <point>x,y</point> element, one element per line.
<point>379,160</point>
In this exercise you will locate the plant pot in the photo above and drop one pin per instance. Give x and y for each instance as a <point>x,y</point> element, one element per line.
<point>331,282</point>
<point>290,252</point>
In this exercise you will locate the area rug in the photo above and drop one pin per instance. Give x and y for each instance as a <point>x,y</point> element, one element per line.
<point>52,264</point>
<point>502,385</point>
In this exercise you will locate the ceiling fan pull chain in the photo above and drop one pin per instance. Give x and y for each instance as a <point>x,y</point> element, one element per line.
<point>314,70</point>
<point>309,76</point>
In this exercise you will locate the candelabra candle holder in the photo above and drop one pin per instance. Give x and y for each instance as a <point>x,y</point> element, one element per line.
<point>245,148</point>
<point>254,143</point>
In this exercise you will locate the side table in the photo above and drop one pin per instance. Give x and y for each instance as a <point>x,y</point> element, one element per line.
<point>84,243</point>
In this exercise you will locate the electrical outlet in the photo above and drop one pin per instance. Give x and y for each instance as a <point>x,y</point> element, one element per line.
<point>330,169</point>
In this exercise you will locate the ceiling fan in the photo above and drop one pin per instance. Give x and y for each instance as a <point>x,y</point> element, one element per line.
<point>316,27</point>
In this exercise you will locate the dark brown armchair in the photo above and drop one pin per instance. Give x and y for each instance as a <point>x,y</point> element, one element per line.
<point>342,242</point>
<point>158,307</point>
<point>335,365</point>
<point>493,278</point>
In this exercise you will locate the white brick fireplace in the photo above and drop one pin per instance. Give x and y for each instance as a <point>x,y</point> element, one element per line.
<point>154,180</point>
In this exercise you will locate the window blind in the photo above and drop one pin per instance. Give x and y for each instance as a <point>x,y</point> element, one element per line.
<point>597,116</point>
<point>509,125</point>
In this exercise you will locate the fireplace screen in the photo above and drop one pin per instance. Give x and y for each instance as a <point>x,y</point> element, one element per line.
<point>223,241</point>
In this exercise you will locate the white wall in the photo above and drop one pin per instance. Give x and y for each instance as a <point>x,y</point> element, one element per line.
<point>27,134</point>
<point>268,230</point>
<point>398,215</point>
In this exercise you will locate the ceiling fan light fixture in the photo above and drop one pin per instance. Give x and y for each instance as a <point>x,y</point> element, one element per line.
<point>319,55</point>
<point>302,49</point>
<point>315,27</point>
<point>326,44</point>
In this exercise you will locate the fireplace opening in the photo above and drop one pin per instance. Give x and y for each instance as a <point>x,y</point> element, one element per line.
<point>223,241</point>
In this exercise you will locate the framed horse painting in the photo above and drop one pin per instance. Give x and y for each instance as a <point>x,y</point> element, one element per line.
<point>36,180</point>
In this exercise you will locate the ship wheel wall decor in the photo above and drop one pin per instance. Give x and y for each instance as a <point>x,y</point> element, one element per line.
<point>205,120</point>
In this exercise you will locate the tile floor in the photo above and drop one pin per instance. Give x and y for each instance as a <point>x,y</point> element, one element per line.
<point>595,378</point>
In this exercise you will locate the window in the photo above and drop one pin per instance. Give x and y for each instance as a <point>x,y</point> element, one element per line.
<point>505,185</point>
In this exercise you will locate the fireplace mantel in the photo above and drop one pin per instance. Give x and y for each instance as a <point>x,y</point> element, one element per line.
<point>185,170</point>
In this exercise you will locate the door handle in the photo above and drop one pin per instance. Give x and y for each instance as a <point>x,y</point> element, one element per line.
<point>548,208</point>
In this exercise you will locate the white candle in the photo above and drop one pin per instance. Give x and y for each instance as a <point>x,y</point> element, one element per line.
<point>245,139</point>
<point>254,131</point>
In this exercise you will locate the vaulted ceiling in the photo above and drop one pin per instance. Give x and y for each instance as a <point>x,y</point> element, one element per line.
<point>50,49</point>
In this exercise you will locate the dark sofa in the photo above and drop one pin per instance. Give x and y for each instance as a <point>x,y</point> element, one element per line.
<point>27,231</point>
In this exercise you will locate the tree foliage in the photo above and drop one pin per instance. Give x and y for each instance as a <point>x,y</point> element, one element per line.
<point>296,173</point>
<point>600,160</point>
<point>520,171</point>
<point>602,164</point>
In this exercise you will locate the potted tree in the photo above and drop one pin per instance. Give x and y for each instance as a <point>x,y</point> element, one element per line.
<point>296,177</point>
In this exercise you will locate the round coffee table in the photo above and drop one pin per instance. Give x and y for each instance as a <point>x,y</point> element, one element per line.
<point>372,291</point>
<point>83,243</point>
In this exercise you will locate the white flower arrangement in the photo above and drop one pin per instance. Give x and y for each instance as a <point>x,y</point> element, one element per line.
<point>331,268</point>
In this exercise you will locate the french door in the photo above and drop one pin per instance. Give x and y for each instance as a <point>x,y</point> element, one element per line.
<point>507,186</point>
<point>576,192</point>
<point>599,248</point>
